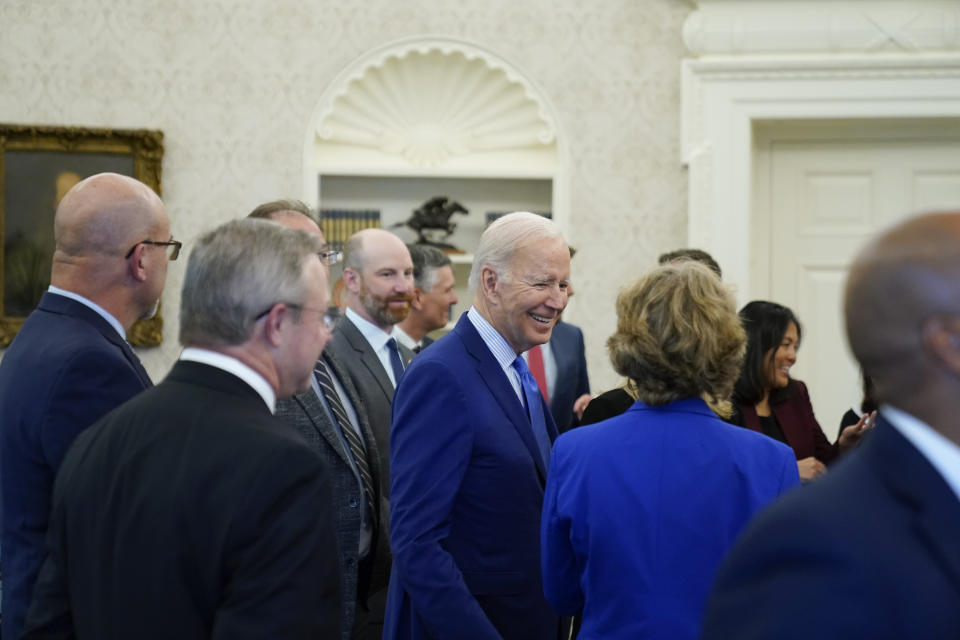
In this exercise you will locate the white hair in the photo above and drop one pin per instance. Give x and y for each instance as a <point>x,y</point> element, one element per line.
<point>504,237</point>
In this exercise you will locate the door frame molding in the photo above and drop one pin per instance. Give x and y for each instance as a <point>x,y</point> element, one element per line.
<point>724,97</point>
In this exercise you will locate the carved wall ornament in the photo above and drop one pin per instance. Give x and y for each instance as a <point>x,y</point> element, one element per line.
<point>428,101</point>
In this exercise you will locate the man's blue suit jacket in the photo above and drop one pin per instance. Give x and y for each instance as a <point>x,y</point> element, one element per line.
<point>467,490</point>
<point>872,550</point>
<point>66,368</point>
<point>566,344</point>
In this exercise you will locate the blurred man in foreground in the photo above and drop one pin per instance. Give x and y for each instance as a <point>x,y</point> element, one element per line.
<point>870,550</point>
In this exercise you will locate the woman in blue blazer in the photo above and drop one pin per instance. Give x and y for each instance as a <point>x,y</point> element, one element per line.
<point>640,509</point>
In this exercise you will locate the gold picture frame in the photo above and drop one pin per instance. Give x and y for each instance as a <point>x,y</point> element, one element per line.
<point>38,164</point>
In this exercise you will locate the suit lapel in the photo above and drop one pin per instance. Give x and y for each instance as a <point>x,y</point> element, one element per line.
<point>496,380</point>
<point>913,481</point>
<point>343,376</point>
<point>367,357</point>
<point>317,415</point>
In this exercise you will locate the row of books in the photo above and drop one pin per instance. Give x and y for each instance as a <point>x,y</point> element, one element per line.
<point>339,224</point>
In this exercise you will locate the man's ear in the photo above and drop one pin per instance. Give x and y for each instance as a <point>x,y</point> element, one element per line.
<point>417,301</point>
<point>940,335</point>
<point>351,280</point>
<point>273,324</point>
<point>489,283</point>
<point>136,263</point>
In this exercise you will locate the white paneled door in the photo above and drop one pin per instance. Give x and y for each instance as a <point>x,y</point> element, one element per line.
<point>822,191</point>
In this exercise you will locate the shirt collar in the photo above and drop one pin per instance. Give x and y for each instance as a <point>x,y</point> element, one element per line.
<point>376,336</point>
<point>941,452</point>
<point>232,365</point>
<point>113,322</point>
<point>404,338</point>
<point>499,347</point>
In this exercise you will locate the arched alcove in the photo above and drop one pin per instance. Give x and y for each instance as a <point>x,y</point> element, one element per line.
<point>424,117</point>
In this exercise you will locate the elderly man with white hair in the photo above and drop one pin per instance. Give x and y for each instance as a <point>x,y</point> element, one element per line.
<point>469,447</point>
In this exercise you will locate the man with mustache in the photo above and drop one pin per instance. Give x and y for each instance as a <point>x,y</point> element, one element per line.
<point>71,363</point>
<point>378,287</point>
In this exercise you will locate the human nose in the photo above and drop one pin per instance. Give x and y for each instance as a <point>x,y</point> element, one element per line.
<point>558,298</point>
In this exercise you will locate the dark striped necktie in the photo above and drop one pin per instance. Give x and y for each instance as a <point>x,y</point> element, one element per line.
<point>357,448</point>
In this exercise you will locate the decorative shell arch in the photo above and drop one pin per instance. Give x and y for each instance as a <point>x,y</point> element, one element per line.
<point>426,104</point>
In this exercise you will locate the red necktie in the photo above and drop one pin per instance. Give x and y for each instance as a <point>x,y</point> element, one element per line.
<point>535,362</point>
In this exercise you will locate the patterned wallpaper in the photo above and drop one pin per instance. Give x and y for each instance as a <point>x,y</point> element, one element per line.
<point>233,83</point>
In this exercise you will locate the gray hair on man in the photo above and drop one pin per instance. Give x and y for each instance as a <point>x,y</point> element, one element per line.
<point>270,210</point>
<point>502,239</point>
<point>426,261</point>
<point>236,272</point>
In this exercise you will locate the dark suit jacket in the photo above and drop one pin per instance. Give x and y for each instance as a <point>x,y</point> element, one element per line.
<point>623,537</point>
<point>371,382</point>
<point>306,413</point>
<point>868,551</point>
<point>566,344</point>
<point>800,426</point>
<point>66,368</point>
<point>467,490</point>
<point>607,405</point>
<point>190,512</point>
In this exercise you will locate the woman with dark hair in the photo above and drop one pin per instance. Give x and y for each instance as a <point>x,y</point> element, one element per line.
<point>868,404</point>
<point>640,509</point>
<point>768,400</point>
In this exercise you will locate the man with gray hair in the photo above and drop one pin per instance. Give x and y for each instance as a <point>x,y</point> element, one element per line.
<point>433,297</point>
<point>191,511</point>
<point>333,420</point>
<point>469,449</point>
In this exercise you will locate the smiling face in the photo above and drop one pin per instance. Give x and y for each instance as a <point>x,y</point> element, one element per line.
<point>780,359</point>
<point>382,288</point>
<point>525,302</point>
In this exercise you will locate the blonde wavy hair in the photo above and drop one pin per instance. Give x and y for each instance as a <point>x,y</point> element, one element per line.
<point>678,336</point>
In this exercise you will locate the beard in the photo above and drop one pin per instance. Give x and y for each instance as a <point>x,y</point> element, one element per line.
<point>379,307</point>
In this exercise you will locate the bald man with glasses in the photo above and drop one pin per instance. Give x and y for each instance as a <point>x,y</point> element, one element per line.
<point>71,363</point>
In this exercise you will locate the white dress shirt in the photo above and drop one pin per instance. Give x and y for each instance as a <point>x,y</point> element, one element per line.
<point>942,453</point>
<point>377,339</point>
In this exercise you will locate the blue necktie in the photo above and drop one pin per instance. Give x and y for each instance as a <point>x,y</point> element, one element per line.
<point>531,395</point>
<point>395,362</point>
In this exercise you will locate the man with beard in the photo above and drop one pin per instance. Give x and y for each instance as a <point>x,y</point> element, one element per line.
<point>378,287</point>
<point>71,363</point>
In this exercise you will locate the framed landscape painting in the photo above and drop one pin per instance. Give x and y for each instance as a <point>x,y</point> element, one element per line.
<point>38,165</point>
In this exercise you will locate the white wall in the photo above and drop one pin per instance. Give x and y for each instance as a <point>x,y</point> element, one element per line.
<point>232,84</point>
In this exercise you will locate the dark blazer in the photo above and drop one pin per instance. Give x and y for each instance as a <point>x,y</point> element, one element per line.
<point>868,551</point>
<point>607,405</point>
<point>566,345</point>
<point>306,413</point>
<point>190,512</point>
<point>371,382</point>
<point>467,490</point>
<point>66,368</point>
<point>800,426</point>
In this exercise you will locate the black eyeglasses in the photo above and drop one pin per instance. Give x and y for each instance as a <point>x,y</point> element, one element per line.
<point>331,317</point>
<point>330,257</point>
<point>173,249</point>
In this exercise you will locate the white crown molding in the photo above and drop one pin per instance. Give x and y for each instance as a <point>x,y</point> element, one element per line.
<point>723,97</point>
<point>744,27</point>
